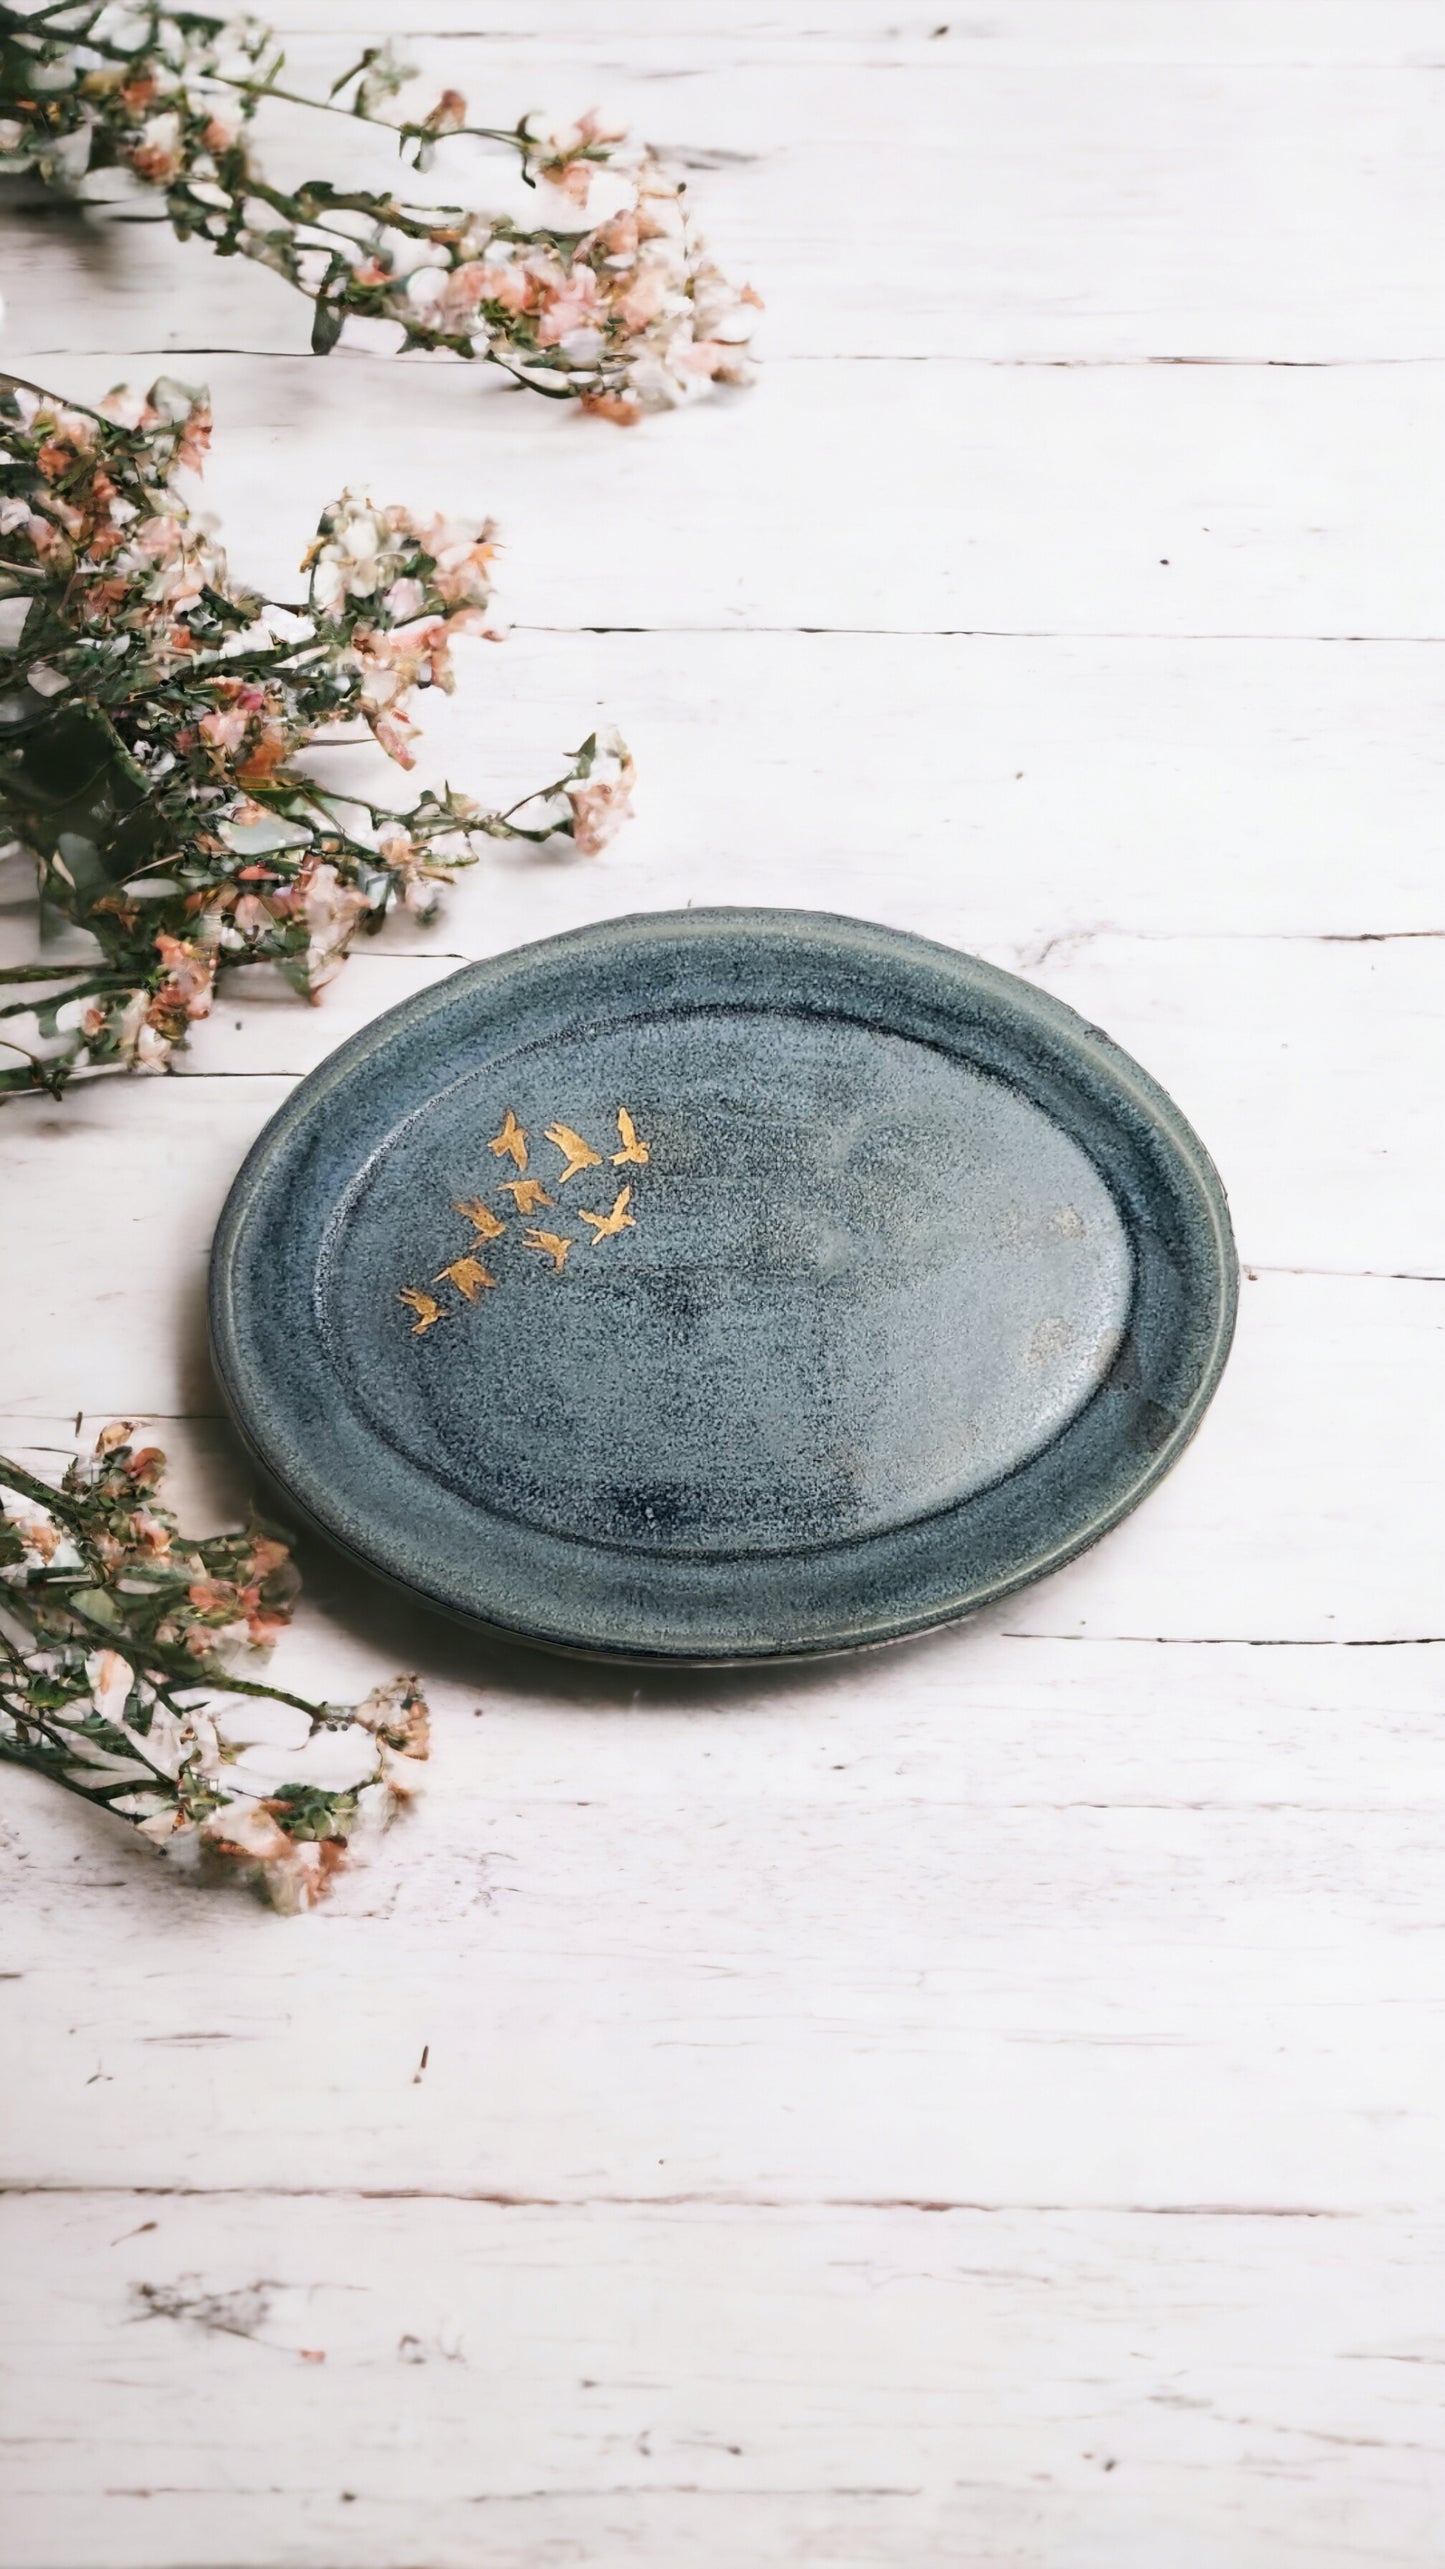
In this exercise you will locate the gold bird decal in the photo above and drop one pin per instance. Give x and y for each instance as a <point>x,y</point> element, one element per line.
<point>527,1193</point>
<point>577,1153</point>
<point>632,1150</point>
<point>605,1226</point>
<point>481,1218</point>
<point>468,1275</point>
<point>511,1142</point>
<point>428,1311</point>
<point>549,1244</point>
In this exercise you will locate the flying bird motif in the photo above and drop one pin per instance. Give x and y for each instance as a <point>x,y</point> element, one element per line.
<point>428,1311</point>
<point>577,1153</point>
<point>511,1142</point>
<point>527,1193</point>
<point>481,1218</point>
<point>605,1226</point>
<point>549,1244</point>
<point>632,1150</point>
<point>468,1275</point>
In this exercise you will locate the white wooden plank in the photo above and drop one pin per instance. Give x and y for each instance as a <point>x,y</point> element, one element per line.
<point>1306,1064</point>
<point>691,34</point>
<point>542,2387</point>
<point>1125,1950</point>
<point>952,206</point>
<point>1173,500</point>
<point>984,1719</point>
<point>1327,1178</point>
<point>1320,1439</point>
<point>996,793</point>
<point>1312,1468</point>
<point>1320,1140</point>
<point>1061,208</point>
<point>989,1923</point>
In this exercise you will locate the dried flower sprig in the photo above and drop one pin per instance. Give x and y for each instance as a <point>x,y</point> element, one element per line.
<point>153,711</point>
<point>115,1636</point>
<point>626,313</point>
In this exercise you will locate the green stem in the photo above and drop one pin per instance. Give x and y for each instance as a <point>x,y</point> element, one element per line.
<point>192,1673</point>
<point>38,1066</point>
<point>83,990</point>
<point>13,21</point>
<point>24,384</point>
<point>13,1476</point>
<point>187,1676</point>
<point>382,210</point>
<point>15,1753</point>
<point>404,132</point>
<point>52,972</point>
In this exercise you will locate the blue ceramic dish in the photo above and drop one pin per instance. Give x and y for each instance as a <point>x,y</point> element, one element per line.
<point>722,1285</point>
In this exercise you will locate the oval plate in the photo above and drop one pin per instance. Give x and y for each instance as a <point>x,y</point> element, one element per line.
<point>722,1285</point>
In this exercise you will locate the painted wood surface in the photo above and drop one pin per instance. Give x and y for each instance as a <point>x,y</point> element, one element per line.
<point>982,2103</point>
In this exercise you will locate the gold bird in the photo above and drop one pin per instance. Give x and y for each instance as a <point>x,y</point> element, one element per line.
<point>468,1275</point>
<point>577,1153</point>
<point>481,1218</point>
<point>527,1193</point>
<point>632,1150</point>
<point>511,1142</point>
<point>605,1226</point>
<point>549,1244</point>
<point>428,1311</point>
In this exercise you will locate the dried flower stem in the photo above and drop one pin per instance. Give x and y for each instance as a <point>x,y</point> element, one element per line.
<point>115,1637</point>
<point>625,314</point>
<point>153,713</point>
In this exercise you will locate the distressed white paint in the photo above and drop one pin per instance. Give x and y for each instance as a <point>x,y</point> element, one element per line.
<point>1174,501</point>
<point>828,2384</point>
<point>1189,210</point>
<point>984,2102</point>
<point>995,793</point>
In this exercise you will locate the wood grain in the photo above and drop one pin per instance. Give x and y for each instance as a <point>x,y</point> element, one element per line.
<point>1170,501</point>
<point>1049,2377</point>
<point>981,2102</point>
<point>1192,210</point>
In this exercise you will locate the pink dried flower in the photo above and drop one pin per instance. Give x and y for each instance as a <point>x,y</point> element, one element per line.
<point>570,305</point>
<point>150,1726</point>
<point>173,100</point>
<point>180,676</point>
<point>449,114</point>
<point>155,155</point>
<point>601,793</point>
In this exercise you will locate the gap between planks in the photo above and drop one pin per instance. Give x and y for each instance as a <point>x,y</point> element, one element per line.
<point>721,2201</point>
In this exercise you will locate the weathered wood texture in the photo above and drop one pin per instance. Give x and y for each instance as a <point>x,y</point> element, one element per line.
<point>980,2103</point>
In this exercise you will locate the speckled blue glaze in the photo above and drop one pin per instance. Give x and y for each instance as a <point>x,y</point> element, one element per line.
<point>928,1285</point>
